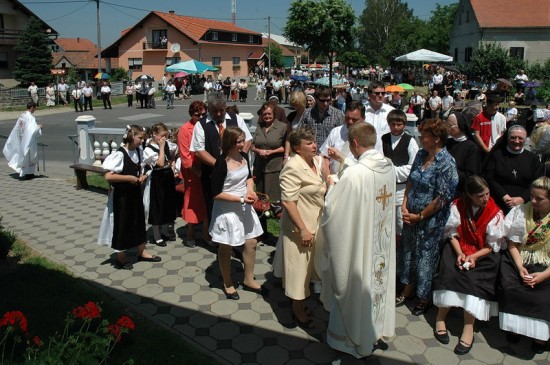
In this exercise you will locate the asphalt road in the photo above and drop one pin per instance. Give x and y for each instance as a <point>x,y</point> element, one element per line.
<point>59,124</point>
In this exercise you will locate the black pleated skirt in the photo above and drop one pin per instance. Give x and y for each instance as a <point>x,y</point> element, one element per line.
<point>479,282</point>
<point>128,216</point>
<point>162,204</point>
<point>514,297</point>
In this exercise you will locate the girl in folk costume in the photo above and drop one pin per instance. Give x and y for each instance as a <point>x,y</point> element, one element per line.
<point>468,268</point>
<point>161,192</point>
<point>234,221</point>
<point>524,295</point>
<point>123,225</point>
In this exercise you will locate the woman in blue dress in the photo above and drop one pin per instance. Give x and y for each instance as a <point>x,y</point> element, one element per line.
<point>426,206</point>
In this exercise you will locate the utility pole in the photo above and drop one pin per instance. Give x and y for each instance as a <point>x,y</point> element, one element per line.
<point>98,40</point>
<point>268,47</point>
<point>234,11</point>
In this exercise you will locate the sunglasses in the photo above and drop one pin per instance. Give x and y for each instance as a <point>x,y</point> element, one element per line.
<point>379,92</point>
<point>200,115</point>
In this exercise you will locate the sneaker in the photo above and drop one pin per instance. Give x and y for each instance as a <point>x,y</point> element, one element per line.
<point>190,243</point>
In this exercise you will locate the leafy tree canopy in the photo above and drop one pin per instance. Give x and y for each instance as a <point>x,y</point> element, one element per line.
<point>276,54</point>
<point>322,27</point>
<point>353,59</point>
<point>491,61</point>
<point>34,57</point>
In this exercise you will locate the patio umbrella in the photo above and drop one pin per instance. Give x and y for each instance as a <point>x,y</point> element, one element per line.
<point>102,76</point>
<point>394,88</point>
<point>145,78</point>
<point>181,74</point>
<point>362,82</point>
<point>315,66</point>
<point>191,67</point>
<point>504,81</point>
<point>425,56</point>
<point>531,84</point>
<point>405,86</point>
<point>324,81</point>
<point>299,78</point>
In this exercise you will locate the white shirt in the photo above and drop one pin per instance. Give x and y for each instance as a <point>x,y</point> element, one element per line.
<point>435,102</point>
<point>87,90</point>
<point>337,138</point>
<point>379,119</point>
<point>151,91</point>
<point>33,89</point>
<point>447,102</point>
<point>207,85</point>
<point>198,139</point>
<point>62,88</point>
<point>437,79</point>
<point>77,93</point>
<point>105,89</point>
<point>170,89</point>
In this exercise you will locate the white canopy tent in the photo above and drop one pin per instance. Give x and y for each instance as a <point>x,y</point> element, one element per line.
<point>425,55</point>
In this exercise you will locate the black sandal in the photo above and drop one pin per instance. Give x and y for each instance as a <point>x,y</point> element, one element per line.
<point>123,265</point>
<point>462,348</point>
<point>442,336</point>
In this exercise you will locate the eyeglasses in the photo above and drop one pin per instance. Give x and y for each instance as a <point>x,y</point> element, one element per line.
<point>324,100</point>
<point>379,92</point>
<point>202,115</point>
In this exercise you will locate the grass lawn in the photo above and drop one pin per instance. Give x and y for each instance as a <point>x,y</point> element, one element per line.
<point>45,292</point>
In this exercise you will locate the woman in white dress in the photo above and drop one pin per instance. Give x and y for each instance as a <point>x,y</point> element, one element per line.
<point>524,292</point>
<point>468,268</point>
<point>234,221</point>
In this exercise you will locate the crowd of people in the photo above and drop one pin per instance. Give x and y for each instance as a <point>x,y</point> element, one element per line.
<point>370,219</point>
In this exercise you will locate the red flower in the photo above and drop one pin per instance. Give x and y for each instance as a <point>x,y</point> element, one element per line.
<point>37,341</point>
<point>11,318</point>
<point>89,311</point>
<point>116,331</point>
<point>126,322</point>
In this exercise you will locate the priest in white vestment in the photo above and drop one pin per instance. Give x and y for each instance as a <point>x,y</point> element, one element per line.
<point>21,149</point>
<point>358,263</point>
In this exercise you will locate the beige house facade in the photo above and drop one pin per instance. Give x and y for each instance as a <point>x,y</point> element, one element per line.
<point>521,27</point>
<point>162,39</point>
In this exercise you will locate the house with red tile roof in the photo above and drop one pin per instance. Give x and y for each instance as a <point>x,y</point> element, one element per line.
<point>161,39</point>
<point>14,18</point>
<point>80,54</point>
<point>522,27</point>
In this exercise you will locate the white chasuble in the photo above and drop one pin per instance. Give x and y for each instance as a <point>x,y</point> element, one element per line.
<point>358,255</point>
<point>21,149</point>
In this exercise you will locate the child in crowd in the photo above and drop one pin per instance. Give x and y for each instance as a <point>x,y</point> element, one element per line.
<point>401,148</point>
<point>158,159</point>
<point>123,225</point>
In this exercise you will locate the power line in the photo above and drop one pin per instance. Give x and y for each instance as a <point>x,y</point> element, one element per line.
<point>120,11</point>
<point>72,12</point>
<point>55,2</point>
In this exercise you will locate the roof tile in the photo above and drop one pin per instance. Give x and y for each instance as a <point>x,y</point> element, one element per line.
<point>512,13</point>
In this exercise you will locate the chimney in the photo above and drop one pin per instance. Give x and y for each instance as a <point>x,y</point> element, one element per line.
<point>78,39</point>
<point>171,11</point>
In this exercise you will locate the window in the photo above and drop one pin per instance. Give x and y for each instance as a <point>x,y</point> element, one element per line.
<point>135,63</point>
<point>250,39</point>
<point>236,61</point>
<point>517,52</point>
<point>214,36</point>
<point>234,37</point>
<point>468,16</point>
<point>468,54</point>
<point>160,39</point>
<point>216,61</point>
<point>3,59</point>
<point>172,60</point>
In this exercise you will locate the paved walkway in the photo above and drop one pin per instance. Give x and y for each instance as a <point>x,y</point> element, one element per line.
<point>184,291</point>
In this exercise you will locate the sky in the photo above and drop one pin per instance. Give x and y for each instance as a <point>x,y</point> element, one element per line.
<point>77,18</point>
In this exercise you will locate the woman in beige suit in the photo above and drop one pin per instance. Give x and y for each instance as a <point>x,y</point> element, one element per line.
<point>302,195</point>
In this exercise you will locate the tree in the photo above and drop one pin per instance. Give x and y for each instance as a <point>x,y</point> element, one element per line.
<point>276,54</point>
<point>353,59</point>
<point>324,27</point>
<point>435,34</point>
<point>376,24</point>
<point>34,57</point>
<point>119,74</point>
<point>491,61</point>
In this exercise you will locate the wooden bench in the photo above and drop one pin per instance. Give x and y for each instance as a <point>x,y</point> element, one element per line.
<point>81,170</point>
